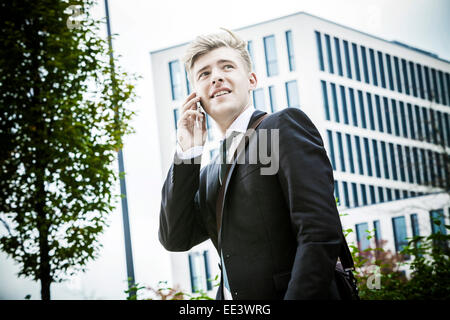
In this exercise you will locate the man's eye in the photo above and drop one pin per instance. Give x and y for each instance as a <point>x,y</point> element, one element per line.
<point>229,66</point>
<point>205,73</point>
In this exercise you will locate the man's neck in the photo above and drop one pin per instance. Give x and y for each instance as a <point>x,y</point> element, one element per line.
<point>223,129</point>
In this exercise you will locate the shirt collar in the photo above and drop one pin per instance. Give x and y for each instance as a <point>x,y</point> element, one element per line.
<point>241,123</point>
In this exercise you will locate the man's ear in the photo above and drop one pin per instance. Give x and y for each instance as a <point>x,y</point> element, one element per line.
<point>253,81</point>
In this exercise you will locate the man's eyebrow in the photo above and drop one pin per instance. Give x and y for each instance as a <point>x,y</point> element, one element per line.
<point>220,62</point>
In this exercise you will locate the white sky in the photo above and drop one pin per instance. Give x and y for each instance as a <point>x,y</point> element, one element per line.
<point>143,26</point>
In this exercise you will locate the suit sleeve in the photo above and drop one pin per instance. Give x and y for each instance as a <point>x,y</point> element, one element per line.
<point>180,224</point>
<point>306,177</point>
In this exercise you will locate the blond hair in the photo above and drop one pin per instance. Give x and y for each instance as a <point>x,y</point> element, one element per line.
<point>205,43</point>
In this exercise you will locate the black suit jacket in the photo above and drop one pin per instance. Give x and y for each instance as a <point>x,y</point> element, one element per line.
<point>281,233</point>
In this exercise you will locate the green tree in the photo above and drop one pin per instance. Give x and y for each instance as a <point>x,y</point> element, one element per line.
<point>62,120</point>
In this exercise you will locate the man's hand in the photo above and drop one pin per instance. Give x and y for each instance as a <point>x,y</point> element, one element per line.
<point>188,134</point>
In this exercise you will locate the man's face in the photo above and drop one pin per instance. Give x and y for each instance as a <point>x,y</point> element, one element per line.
<point>223,83</point>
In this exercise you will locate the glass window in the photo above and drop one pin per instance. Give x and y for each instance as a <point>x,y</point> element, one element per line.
<point>290,50</point>
<point>364,194</point>
<point>341,151</point>
<point>412,121</point>
<point>381,66</point>
<point>385,161</point>
<point>420,79</point>
<point>329,53</point>
<point>336,192</point>
<point>426,124</point>
<point>346,198</point>
<point>376,158</point>
<point>364,61</point>
<point>359,155</point>
<point>361,236</point>
<point>258,99</point>
<point>393,164</point>
<point>380,194</point>
<point>389,194</point>
<point>415,225</point>
<point>319,50</point>
<point>389,71</point>
<point>355,195</point>
<point>401,162</point>
<point>251,53</point>
<point>400,235</point>
<point>405,76</point>
<point>292,94</point>
<point>209,279</point>
<point>435,85</point>
<point>396,120</point>
<point>175,79</point>
<point>423,166</point>
<point>377,233</point>
<point>403,118</point>
<point>397,194</point>
<point>370,110</point>
<point>196,272</point>
<point>440,128</point>
<point>344,104</point>
<point>428,90</point>
<point>350,153</point>
<point>413,78</point>
<point>418,122</point>
<point>356,61</point>
<point>361,108</point>
<point>272,99</point>
<point>438,221</point>
<point>335,104</point>
<point>431,167</point>
<point>447,128</point>
<point>368,161</point>
<point>416,164</point>
<point>447,81</point>
<point>379,113</point>
<point>442,87</point>
<point>338,55</point>
<point>374,70</point>
<point>347,59</point>
<point>271,55</point>
<point>409,165</point>
<point>397,75</point>
<point>331,148</point>
<point>325,100</point>
<point>433,127</point>
<point>353,107</point>
<point>388,114</point>
<point>175,118</point>
<point>372,194</point>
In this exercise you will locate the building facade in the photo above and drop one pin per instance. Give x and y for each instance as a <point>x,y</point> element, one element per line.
<point>381,107</point>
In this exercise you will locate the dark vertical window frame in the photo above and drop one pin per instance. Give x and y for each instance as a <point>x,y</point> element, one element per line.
<point>329,53</point>
<point>347,59</point>
<point>381,67</point>
<point>319,50</point>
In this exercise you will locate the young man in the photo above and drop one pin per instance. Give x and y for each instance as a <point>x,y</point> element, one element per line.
<point>280,234</point>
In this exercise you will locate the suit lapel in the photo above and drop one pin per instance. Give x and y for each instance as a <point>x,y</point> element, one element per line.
<point>254,117</point>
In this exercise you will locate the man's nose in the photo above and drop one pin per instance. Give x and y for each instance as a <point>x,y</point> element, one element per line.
<point>217,78</point>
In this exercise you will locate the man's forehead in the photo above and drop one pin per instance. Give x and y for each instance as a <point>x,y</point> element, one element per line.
<point>217,55</point>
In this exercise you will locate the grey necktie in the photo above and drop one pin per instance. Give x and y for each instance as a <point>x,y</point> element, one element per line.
<point>226,143</point>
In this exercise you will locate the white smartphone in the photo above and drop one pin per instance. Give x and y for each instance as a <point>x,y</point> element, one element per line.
<point>200,110</point>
